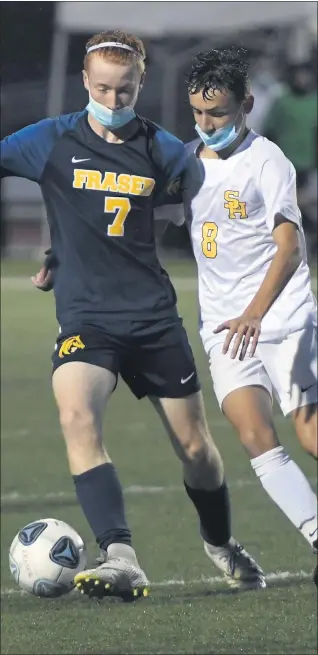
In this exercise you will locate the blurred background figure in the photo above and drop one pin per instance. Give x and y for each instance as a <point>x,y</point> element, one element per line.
<point>292,124</point>
<point>266,87</point>
<point>40,77</point>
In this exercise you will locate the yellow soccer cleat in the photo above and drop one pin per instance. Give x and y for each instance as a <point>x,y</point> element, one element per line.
<point>117,577</point>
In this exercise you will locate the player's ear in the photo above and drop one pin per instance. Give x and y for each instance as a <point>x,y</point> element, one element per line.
<point>142,81</point>
<point>85,80</point>
<point>248,104</point>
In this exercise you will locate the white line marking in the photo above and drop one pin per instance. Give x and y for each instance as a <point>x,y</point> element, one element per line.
<point>271,578</point>
<point>219,423</point>
<point>16,434</point>
<point>16,496</point>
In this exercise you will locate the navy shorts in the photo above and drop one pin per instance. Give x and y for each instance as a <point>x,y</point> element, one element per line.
<point>154,358</point>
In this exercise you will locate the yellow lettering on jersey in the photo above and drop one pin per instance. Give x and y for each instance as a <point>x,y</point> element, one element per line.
<point>234,205</point>
<point>94,180</point>
<point>149,184</point>
<point>134,185</point>
<point>80,177</point>
<point>208,243</point>
<point>141,186</point>
<point>123,183</point>
<point>109,183</point>
<point>123,207</point>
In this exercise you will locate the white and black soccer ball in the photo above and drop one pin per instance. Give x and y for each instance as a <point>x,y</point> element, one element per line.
<point>45,556</point>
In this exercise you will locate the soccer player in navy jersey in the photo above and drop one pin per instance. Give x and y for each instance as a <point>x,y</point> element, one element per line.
<point>100,172</point>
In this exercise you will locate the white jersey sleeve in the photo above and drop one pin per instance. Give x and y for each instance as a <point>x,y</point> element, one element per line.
<point>172,213</point>
<point>276,179</point>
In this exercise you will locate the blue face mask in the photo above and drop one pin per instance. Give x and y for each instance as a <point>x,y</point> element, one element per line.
<point>110,118</point>
<point>220,139</point>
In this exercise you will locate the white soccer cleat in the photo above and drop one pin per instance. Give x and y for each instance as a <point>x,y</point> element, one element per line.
<point>239,569</point>
<point>116,576</point>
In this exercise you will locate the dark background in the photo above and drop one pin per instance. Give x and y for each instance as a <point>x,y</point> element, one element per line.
<point>25,50</point>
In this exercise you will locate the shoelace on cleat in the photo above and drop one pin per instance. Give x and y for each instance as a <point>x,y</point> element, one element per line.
<point>237,550</point>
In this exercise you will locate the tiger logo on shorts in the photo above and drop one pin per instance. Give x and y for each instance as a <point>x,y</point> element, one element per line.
<point>70,345</point>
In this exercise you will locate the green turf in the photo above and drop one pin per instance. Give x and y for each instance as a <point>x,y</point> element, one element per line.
<point>196,618</point>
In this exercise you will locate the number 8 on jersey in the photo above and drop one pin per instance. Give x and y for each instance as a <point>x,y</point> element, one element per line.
<point>209,234</point>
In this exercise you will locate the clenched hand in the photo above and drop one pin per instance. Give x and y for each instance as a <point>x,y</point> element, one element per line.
<point>43,279</point>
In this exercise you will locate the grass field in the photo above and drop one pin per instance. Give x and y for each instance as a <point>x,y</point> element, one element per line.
<point>189,610</point>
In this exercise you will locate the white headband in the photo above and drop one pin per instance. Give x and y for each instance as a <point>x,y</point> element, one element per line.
<point>114,44</point>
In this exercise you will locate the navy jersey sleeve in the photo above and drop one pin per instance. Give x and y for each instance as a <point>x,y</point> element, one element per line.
<point>26,152</point>
<point>170,156</point>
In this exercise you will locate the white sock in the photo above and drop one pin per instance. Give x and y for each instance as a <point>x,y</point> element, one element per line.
<point>289,489</point>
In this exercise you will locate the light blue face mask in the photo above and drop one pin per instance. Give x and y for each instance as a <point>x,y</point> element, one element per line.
<point>220,139</point>
<point>110,118</point>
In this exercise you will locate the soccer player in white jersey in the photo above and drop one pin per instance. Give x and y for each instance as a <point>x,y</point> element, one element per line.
<point>258,319</point>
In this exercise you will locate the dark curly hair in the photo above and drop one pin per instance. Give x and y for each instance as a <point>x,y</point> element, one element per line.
<point>219,70</point>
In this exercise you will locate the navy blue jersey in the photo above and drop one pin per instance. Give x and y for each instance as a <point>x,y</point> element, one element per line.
<point>187,184</point>
<point>99,199</point>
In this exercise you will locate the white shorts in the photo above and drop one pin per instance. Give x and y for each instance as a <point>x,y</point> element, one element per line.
<point>287,367</point>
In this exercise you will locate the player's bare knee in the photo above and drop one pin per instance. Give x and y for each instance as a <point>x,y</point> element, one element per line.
<point>78,424</point>
<point>83,440</point>
<point>203,466</point>
<point>203,455</point>
<point>194,452</point>
<point>258,440</point>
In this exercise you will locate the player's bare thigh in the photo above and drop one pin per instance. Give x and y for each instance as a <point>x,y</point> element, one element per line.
<point>81,391</point>
<point>186,424</point>
<point>243,390</point>
<point>249,410</point>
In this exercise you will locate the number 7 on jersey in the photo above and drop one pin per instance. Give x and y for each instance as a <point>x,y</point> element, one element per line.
<point>208,243</point>
<point>123,207</point>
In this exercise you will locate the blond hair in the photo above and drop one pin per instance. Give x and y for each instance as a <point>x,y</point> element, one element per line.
<point>116,54</point>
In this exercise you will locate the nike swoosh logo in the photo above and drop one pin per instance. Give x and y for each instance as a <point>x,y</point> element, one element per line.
<point>304,389</point>
<point>77,161</point>
<point>184,380</point>
<point>311,534</point>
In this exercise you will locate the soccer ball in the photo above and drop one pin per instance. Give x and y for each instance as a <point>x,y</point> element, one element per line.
<point>45,556</point>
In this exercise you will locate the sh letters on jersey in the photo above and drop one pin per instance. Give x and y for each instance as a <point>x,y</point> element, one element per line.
<point>236,208</point>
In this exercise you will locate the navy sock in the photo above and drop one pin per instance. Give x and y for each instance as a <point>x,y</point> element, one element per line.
<point>100,495</point>
<point>213,508</point>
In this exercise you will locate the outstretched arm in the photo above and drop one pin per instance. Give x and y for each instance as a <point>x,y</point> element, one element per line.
<point>26,152</point>
<point>277,183</point>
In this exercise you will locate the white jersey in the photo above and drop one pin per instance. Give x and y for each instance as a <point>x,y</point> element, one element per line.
<point>230,206</point>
